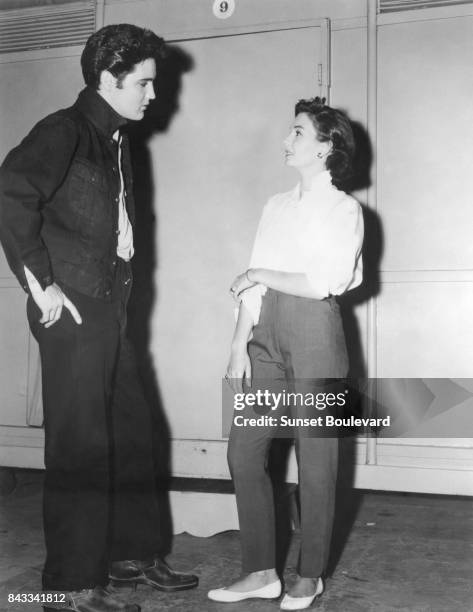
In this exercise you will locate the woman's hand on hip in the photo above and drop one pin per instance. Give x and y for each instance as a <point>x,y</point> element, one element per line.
<point>239,368</point>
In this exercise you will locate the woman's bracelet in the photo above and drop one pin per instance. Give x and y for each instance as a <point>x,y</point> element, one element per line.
<point>247,277</point>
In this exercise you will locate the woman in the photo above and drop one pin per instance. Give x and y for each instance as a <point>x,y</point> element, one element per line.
<point>306,252</point>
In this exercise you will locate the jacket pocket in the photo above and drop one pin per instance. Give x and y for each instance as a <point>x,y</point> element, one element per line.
<point>89,199</point>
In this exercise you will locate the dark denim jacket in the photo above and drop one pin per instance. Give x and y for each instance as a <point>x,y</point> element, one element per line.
<point>58,198</point>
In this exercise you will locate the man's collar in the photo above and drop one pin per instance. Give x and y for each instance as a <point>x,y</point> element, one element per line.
<point>99,112</point>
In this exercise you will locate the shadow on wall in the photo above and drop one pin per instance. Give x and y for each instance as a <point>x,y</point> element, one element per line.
<point>145,294</point>
<point>348,499</point>
<point>371,252</point>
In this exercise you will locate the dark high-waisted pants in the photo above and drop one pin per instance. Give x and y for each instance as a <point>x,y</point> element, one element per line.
<point>296,339</point>
<point>100,503</point>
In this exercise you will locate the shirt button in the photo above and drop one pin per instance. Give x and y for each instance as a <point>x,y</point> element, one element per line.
<point>114,262</point>
<point>117,231</point>
<point>116,199</point>
<point>108,292</point>
<point>114,169</point>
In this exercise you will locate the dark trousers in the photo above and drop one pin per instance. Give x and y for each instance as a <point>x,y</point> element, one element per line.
<point>297,342</point>
<point>100,502</point>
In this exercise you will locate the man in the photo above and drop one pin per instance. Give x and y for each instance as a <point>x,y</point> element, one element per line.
<point>66,222</point>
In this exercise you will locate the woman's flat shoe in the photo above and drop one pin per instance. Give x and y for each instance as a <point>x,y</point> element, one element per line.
<point>270,591</point>
<point>302,603</point>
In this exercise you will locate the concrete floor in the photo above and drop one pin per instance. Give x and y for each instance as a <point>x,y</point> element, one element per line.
<point>392,552</point>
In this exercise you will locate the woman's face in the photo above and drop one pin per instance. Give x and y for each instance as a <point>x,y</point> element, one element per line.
<point>302,149</point>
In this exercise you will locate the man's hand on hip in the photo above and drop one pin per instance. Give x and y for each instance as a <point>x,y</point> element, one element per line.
<point>51,301</point>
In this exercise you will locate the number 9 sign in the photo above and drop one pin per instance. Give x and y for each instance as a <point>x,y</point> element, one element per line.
<point>223,9</point>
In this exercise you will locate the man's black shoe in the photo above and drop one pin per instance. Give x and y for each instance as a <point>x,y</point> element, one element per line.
<point>156,574</point>
<point>91,600</point>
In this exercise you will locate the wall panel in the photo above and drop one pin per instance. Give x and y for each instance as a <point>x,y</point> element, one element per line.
<point>425,331</point>
<point>14,356</point>
<point>425,135</point>
<point>31,89</point>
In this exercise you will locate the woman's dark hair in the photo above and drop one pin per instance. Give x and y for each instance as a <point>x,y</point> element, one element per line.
<point>118,48</point>
<point>332,126</point>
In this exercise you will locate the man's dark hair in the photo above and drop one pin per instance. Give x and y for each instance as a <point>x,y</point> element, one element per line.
<point>118,48</point>
<point>331,125</point>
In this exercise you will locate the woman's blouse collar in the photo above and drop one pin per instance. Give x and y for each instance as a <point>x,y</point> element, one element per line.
<point>320,182</point>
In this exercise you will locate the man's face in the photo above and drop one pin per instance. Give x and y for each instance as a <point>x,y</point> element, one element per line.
<point>134,93</point>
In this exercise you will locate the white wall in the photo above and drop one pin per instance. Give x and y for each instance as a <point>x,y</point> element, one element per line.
<point>425,161</point>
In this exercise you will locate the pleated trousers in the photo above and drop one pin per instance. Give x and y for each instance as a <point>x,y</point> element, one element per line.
<point>297,346</point>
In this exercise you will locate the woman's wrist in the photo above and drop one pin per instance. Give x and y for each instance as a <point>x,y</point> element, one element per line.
<point>239,345</point>
<point>250,273</point>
